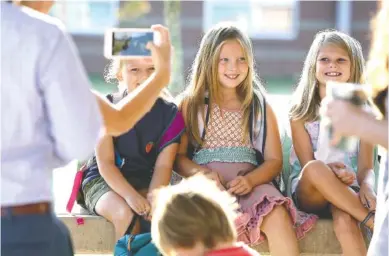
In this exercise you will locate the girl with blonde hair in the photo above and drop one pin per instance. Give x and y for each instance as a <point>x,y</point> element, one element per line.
<point>126,167</point>
<point>344,188</point>
<point>232,137</point>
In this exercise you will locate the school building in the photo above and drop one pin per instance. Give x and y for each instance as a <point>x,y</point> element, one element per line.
<point>281,30</point>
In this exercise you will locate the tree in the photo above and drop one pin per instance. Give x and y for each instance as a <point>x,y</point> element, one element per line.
<point>132,10</point>
<point>172,11</point>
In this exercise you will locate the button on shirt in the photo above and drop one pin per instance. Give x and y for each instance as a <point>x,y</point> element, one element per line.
<point>48,114</point>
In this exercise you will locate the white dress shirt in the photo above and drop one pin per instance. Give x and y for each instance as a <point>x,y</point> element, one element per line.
<point>48,114</point>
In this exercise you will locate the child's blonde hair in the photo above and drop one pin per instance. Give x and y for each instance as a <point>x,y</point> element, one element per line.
<point>306,99</point>
<point>377,72</point>
<point>194,211</point>
<point>204,78</point>
<point>111,76</point>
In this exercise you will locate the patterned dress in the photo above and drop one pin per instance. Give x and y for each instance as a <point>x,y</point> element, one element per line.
<point>224,152</point>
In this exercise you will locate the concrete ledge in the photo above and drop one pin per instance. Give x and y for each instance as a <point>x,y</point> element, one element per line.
<point>96,235</point>
<point>321,240</point>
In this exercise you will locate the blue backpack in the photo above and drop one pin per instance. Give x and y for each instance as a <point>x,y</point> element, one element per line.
<point>135,245</point>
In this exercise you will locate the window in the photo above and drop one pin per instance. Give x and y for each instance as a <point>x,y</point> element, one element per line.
<point>261,19</point>
<point>87,17</point>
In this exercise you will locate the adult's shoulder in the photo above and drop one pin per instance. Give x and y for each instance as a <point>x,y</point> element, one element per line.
<point>28,23</point>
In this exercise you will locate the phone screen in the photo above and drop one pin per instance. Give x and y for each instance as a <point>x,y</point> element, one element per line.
<point>131,43</point>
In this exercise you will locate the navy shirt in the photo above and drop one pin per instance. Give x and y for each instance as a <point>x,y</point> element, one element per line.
<point>136,151</point>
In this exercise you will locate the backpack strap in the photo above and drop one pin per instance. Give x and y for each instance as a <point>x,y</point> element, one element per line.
<point>132,224</point>
<point>204,128</point>
<point>264,126</point>
<point>259,139</point>
<point>251,121</point>
<point>258,133</point>
<point>173,131</point>
<point>75,189</point>
<point>206,102</point>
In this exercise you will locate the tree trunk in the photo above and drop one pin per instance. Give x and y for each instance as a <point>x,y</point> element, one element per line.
<point>172,10</point>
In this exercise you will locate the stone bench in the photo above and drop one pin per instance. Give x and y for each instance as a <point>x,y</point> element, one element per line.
<point>97,236</point>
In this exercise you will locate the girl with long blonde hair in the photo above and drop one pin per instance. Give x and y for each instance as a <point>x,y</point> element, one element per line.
<point>344,188</point>
<point>232,137</point>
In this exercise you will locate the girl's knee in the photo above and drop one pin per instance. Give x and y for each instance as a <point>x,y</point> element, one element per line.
<point>279,214</point>
<point>314,169</point>
<point>277,220</point>
<point>123,214</point>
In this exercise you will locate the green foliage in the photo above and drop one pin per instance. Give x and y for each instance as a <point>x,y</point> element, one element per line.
<point>172,11</point>
<point>131,10</point>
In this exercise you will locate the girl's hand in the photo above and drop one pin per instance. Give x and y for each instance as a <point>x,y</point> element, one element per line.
<point>139,204</point>
<point>368,196</point>
<point>239,186</point>
<point>161,51</point>
<point>150,199</point>
<point>346,176</point>
<point>335,166</point>
<point>215,177</point>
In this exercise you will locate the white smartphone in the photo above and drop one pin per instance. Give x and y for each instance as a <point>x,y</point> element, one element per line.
<point>127,43</point>
<point>357,94</point>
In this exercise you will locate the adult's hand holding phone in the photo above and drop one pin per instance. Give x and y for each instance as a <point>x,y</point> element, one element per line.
<point>121,117</point>
<point>161,52</point>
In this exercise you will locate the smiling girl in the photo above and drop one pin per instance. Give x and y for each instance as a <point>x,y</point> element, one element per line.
<point>236,142</point>
<point>317,187</point>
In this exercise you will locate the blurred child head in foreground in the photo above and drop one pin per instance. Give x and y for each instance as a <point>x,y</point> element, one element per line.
<point>195,218</point>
